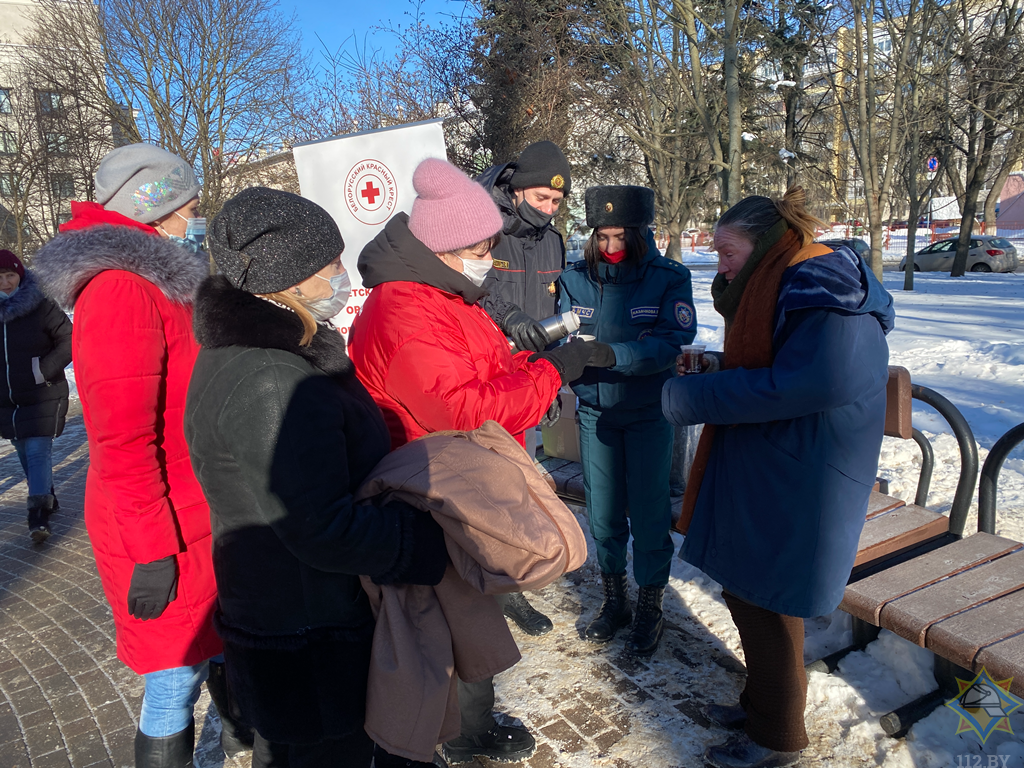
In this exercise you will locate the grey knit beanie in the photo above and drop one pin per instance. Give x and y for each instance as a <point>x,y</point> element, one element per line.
<point>144,182</point>
<point>265,240</point>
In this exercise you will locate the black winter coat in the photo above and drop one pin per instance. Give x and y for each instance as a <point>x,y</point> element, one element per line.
<point>34,327</point>
<point>527,262</point>
<point>280,437</point>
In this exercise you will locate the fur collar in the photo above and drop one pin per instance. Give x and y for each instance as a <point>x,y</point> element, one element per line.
<point>67,263</point>
<point>25,299</point>
<point>225,316</point>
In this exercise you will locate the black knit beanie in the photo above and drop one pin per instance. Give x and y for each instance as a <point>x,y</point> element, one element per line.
<point>265,240</point>
<point>542,165</point>
<point>619,206</point>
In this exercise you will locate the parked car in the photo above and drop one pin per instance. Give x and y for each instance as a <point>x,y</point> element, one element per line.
<point>855,244</point>
<point>987,254</point>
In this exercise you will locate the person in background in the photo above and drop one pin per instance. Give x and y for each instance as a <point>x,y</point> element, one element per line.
<point>778,493</point>
<point>281,435</point>
<point>639,306</point>
<point>522,286</point>
<point>125,265</point>
<point>34,404</point>
<point>433,360</point>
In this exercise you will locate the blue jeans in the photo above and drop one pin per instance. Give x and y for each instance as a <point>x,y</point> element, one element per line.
<point>34,453</point>
<point>170,697</point>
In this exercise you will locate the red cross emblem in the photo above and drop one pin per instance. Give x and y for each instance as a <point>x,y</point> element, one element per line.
<point>370,192</point>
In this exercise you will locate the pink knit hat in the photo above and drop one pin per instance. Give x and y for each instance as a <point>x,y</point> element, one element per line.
<point>451,211</point>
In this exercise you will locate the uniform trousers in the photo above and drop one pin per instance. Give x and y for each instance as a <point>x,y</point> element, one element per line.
<point>626,456</point>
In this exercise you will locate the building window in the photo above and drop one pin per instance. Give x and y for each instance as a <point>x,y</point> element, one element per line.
<point>9,186</point>
<point>56,143</point>
<point>50,101</point>
<point>62,186</point>
<point>5,101</point>
<point>8,143</point>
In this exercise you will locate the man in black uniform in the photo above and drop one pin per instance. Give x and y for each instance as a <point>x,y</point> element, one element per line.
<point>522,285</point>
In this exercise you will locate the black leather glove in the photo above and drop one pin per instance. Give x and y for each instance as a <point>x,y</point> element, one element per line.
<point>603,355</point>
<point>569,359</point>
<point>153,586</point>
<point>551,417</point>
<point>526,332</point>
<point>424,555</point>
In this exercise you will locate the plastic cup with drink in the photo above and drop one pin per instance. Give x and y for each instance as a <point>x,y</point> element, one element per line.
<point>692,356</point>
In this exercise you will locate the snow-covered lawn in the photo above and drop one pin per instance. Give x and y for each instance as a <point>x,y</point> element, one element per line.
<point>963,338</point>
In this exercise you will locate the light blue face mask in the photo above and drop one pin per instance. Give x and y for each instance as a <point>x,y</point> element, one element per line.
<point>6,296</point>
<point>325,309</point>
<point>188,245</point>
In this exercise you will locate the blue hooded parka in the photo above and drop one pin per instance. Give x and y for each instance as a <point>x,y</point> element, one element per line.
<point>784,496</point>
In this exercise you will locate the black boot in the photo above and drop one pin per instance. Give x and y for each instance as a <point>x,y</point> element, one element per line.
<point>503,744</point>
<point>39,509</point>
<point>383,759</point>
<point>234,737</point>
<point>647,624</point>
<point>529,619</point>
<point>614,613</point>
<point>174,751</point>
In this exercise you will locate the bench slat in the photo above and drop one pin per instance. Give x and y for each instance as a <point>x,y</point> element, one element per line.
<point>911,616</point>
<point>1003,660</point>
<point>865,598</point>
<point>898,404</point>
<point>960,637</point>
<point>879,503</point>
<point>895,531</point>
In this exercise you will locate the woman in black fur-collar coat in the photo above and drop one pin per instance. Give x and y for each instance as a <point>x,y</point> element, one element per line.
<point>36,348</point>
<point>281,434</point>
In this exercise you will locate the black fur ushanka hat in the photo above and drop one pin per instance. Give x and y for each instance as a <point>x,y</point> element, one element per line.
<point>619,206</point>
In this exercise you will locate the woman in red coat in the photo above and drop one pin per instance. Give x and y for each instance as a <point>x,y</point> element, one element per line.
<point>129,272</point>
<point>434,360</point>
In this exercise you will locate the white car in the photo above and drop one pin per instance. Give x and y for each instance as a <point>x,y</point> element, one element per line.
<point>987,254</point>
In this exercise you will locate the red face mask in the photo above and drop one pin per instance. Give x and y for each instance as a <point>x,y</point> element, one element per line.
<point>614,258</point>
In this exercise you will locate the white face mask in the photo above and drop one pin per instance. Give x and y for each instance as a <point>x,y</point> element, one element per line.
<point>341,288</point>
<point>476,270</point>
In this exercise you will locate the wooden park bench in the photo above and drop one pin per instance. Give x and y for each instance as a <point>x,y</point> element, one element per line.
<point>915,573</point>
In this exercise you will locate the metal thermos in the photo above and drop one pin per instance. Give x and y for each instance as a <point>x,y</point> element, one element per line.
<point>559,326</point>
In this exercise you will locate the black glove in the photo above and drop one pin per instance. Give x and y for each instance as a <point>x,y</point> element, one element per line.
<point>603,355</point>
<point>526,332</point>
<point>153,586</point>
<point>424,556</point>
<point>551,417</point>
<point>569,359</point>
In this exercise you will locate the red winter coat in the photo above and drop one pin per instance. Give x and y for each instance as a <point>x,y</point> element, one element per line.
<point>133,354</point>
<point>430,357</point>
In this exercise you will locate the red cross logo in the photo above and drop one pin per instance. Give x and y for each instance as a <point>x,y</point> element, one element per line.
<point>370,193</point>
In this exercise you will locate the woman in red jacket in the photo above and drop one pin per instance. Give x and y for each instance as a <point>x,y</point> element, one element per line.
<point>125,266</point>
<point>433,360</point>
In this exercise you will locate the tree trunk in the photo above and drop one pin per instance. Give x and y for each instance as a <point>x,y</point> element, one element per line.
<point>734,177</point>
<point>674,250</point>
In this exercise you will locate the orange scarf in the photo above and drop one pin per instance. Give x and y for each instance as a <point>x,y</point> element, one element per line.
<point>748,341</point>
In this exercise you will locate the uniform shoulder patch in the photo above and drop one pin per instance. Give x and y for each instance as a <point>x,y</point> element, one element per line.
<point>586,312</point>
<point>684,314</point>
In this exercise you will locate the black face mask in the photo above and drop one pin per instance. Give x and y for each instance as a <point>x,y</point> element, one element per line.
<point>532,216</point>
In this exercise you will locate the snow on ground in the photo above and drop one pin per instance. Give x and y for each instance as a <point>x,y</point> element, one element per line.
<point>963,338</point>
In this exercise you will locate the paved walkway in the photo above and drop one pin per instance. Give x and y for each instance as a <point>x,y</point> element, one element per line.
<point>65,700</point>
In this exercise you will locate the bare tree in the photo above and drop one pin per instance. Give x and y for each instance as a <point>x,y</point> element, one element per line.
<point>210,80</point>
<point>986,97</point>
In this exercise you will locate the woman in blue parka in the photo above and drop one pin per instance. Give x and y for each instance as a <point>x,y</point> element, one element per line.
<point>779,489</point>
<point>639,306</point>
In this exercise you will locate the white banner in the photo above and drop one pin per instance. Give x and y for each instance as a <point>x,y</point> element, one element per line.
<point>362,180</point>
